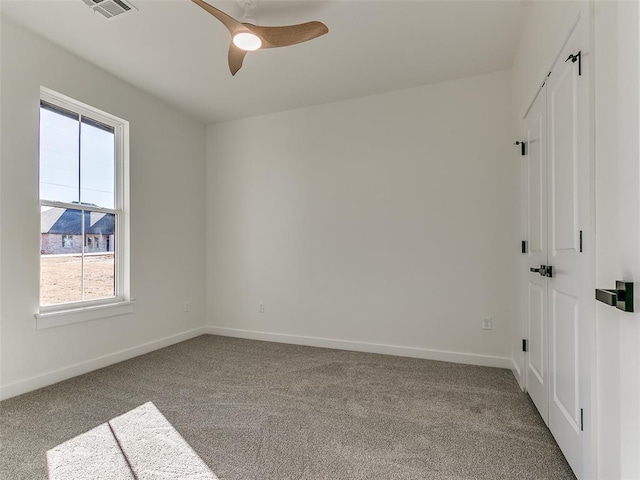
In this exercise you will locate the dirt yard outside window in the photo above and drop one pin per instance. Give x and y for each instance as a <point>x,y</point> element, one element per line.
<point>61,278</point>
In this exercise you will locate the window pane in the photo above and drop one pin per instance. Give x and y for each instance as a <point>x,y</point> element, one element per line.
<point>99,259</point>
<point>61,256</point>
<point>59,156</point>
<point>97,170</point>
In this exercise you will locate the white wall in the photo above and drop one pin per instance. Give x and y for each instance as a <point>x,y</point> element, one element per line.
<point>167,219</point>
<point>380,221</point>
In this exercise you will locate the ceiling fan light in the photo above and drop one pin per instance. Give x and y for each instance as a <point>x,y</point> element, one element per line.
<point>247,41</point>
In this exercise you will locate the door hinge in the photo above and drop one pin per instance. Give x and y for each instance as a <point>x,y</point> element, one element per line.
<point>576,58</point>
<point>580,241</point>
<point>524,246</point>
<point>525,345</point>
<point>523,147</point>
<point>582,420</point>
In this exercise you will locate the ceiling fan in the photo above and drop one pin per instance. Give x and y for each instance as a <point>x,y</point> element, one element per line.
<point>246,36</point>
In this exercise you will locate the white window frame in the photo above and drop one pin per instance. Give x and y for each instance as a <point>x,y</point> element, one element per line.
<point>121,303</point>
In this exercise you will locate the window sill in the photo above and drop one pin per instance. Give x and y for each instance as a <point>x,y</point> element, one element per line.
<point>82,314</point>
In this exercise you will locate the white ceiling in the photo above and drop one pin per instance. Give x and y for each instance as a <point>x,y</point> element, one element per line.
<point>178,52</point>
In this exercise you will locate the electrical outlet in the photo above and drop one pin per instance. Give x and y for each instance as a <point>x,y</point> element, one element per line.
<point>187,306</point>
<point>487,323</point>
<point>261,307</point>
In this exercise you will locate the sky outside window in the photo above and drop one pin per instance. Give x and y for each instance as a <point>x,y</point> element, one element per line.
<point>59,157</point>
<point>97,153</point>
<point>76,159</point>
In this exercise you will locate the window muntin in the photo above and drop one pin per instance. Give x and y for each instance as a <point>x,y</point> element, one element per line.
<point>82,194</point>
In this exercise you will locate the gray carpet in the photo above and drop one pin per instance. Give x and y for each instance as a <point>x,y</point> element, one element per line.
<point>259,410</point>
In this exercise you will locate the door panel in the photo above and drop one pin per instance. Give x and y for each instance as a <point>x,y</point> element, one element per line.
<point>536,365</point>
<point>568,212</point>
<point>564,358</point>
<point>538,307</point>
<point>563,157</point>
<point>535,130</point>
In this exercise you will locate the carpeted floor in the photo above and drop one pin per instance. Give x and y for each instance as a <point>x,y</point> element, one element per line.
<point>259,410</point>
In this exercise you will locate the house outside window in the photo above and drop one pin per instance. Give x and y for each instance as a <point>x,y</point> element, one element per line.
<point>83,167</point>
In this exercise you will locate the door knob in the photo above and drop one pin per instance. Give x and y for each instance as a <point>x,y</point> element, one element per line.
<point>534,270</point>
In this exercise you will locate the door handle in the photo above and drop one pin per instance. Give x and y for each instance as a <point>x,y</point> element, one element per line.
<point>544,270</point>
<point>621,297</point>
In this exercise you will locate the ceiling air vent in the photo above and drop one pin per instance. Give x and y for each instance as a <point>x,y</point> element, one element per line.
<point>110,8</point>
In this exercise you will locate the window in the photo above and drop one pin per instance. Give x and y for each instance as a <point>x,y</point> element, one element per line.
<point>67,241</point>
<point>83,206</point>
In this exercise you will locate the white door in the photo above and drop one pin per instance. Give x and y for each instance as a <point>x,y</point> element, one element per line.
<point>536,365</point>
<point>559,304</point>
<point>569,214</point>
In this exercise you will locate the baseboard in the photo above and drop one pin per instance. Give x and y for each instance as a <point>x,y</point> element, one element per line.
<point>440,355</point>
<point>55,376</point>
<point>515,368</point>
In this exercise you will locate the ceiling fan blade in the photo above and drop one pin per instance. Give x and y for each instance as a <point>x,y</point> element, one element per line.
<point>231,23</point>
<point>236,56</point>
<point>290,35</point>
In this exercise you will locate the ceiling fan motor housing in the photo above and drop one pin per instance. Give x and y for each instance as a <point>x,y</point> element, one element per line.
<point>249,4</point>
